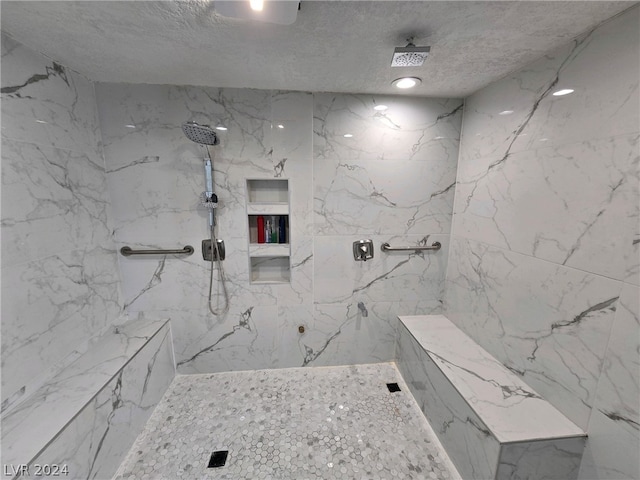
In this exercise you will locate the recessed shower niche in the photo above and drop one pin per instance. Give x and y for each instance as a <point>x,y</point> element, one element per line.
<point>269,240</point>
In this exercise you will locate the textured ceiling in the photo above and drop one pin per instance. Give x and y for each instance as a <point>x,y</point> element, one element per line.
<point>333,45</point>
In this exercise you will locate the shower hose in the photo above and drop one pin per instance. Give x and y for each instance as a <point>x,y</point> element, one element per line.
<point>221,278</point>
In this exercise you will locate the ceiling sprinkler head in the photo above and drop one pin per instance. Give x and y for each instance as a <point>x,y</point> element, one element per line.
<point>409,56</point>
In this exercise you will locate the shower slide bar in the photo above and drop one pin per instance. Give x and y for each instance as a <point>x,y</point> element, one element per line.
<point>128,251</point>
<point>388,248</point>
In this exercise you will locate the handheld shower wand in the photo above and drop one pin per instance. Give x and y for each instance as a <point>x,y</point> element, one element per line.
<point>205,136</point>
<point>208,199</point>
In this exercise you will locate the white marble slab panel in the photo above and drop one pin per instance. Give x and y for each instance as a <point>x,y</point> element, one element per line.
<point>161,283</point>
<point>157,283</point>
<point>572,204</point>
<point>156,174</point>
<point>51,309</point>
<point>388,277</point>
<point>45,103</point>
<point>60,281</point>
<point>246,338</point>
<point>156,113</point>
<point>341,334</point>
<point>611,452</point>
<point>395,174</point>
<point>470,445</point>
<point>548,460</point>
<point>602,69</point>
<point>632,255</point>
<point>27,428</point>
<point>268,337</point>
<point>53,201</point>
<point>547,323</point>
<point>510,409</point>
<point>293,154</point>
<point>409,129</point>
<point>614,426</point>
<point>96,441</point>
<point>160,198</point>
<point>300,288</point>
<point>393,198</point>
<point>157,197</point>
<point>155,194</point>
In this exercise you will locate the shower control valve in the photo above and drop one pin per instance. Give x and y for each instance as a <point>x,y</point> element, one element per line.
<point>209,199</point>
<point>209,253</point>
<point>362,250</point>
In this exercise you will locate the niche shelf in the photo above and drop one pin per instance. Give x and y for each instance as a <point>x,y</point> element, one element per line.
<point>269,263</point>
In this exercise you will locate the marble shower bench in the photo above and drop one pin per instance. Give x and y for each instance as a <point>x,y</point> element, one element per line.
<point>82,422</point>
<point>491,423</point>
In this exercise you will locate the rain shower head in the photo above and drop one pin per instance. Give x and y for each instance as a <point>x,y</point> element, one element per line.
<point>409,56</point>
<point>202,134</point>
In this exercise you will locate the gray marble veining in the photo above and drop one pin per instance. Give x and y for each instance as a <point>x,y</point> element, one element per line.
<point>60,282</point>
<point>614,426</point>
<point>550,323</point>
<point>492,424</point>
<point>84,390</point>
<point>155,175</point>
<point>546,224</point>
<point>97,440</point>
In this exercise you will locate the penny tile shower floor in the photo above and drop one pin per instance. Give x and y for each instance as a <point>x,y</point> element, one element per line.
<point>299,423</point>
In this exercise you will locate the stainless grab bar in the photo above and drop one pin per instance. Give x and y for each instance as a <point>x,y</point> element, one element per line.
<point>388,248</point>
<point>127,251</point>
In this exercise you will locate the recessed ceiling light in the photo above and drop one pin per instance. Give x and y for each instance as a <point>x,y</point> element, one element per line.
<point>406,82</point>
<point>506,112</point>
<point>221,128</point>
<point>280,125</point>
<point>347,135</point>
<point>564,91</point>
<point>130,126</point>
<point>380,108</point>
<point>41,121</point>
<point>278,12</point>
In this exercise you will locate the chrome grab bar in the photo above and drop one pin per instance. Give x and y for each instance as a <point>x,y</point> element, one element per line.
<point>388,248</point>
<point>128,251</point>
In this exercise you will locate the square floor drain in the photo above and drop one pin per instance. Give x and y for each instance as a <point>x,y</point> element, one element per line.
<point>218,459</point>
<point>393,387</point>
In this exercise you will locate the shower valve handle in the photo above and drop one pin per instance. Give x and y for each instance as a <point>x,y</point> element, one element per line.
<point>209,199</point>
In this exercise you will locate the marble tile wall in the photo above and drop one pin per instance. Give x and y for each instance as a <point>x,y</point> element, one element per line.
<point>468,442</point>
<point>97,439</point>
<point>392,181</point>
<point>491,424</point>
<point>544,257</point>
<point>60,284</point>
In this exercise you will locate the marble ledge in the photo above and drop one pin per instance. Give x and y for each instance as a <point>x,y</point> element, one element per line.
<point>30,426</point>
<point>510,409</point>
